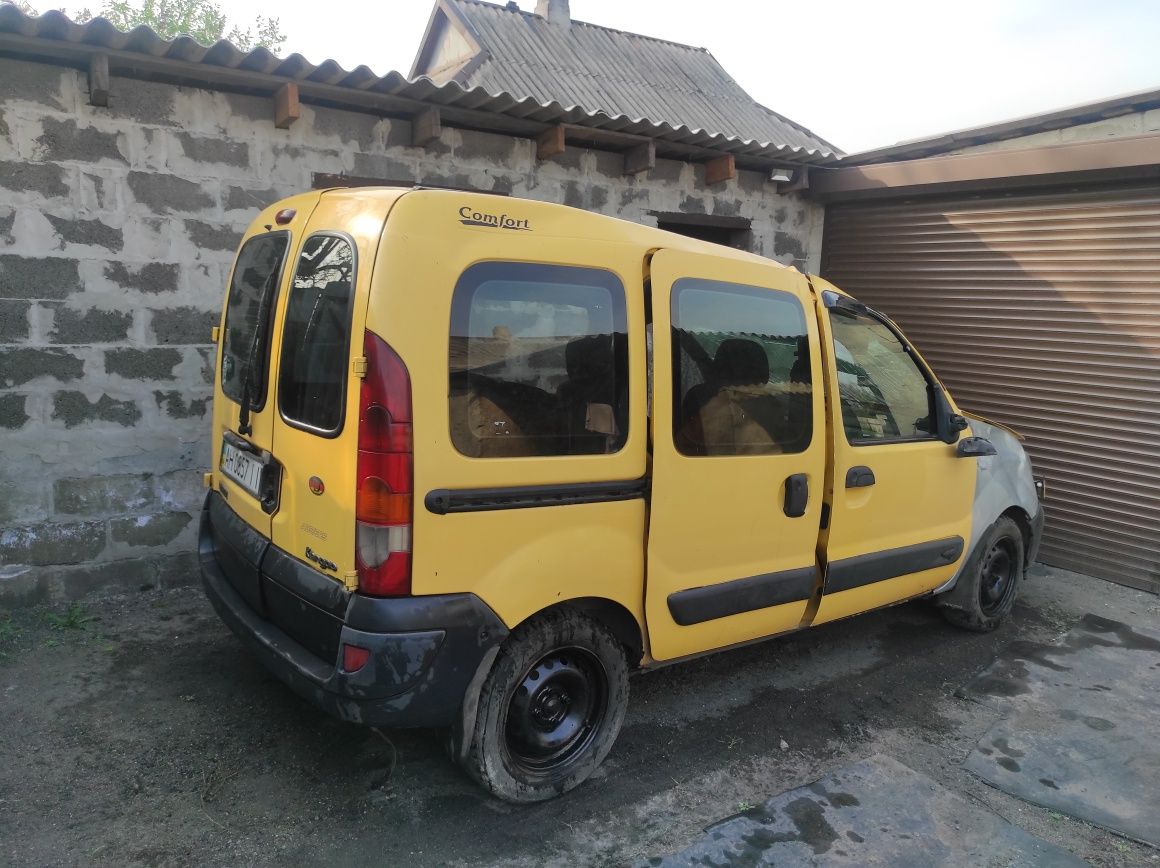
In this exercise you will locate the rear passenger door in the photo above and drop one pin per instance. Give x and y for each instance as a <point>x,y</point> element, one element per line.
<point>738,453</point>
<point>316,425</point>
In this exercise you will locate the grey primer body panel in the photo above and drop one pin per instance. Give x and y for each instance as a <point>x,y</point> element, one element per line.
<point>1001,481</point>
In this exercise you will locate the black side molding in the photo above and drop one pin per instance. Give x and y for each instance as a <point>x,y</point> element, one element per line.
<point>697,605</point>
<point>890,564</point>
<point>444,500</point>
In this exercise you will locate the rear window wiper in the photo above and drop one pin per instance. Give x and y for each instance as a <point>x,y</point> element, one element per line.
<point>248,385</point>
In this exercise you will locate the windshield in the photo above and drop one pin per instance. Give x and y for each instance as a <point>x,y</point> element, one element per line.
<point>258,271</point>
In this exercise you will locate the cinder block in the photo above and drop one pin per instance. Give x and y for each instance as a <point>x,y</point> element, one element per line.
<point>169,194</point>
<point>46,277</point>
<point>490,147</point>
<point>202,149</point>
<point>13,413</point>
<point>126,574</point>
<point>180,490</point>
<point>102,495</point>
<point>90,326</point>
<point>251,199</point>
<point>213,236</point>
<point>183,325</point>
<point>150,531</point>
<point>74,409</point>
<point>46,179</point>
<point>151,277</point>
<point>41,83</point>
<point>67,140</point>
<point>19,365</point>
<point>134,364</point>
<point>178,404</point>
<point>14,325</point>
<point>52,543</point>
<point>92,233</point>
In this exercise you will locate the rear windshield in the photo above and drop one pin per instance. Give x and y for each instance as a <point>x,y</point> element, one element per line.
<point>249,311</point>
<point>316,335</point>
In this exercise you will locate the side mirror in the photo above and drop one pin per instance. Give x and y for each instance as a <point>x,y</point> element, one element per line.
<point>948,423</point>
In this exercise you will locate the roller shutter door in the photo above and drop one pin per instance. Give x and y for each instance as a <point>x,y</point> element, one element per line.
<point>1041,311</point>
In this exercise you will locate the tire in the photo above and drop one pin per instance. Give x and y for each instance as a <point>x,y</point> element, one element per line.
<point>550,709</point>
<point>985,592</point>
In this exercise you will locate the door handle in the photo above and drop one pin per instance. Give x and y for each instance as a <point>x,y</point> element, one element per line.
<point>797,495</point>
<point>859,477</point>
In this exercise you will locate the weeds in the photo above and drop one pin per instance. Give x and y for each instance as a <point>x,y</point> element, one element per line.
<point>74,619</point>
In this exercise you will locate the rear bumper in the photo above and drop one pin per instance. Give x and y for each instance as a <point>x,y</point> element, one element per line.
<point>425,651</point>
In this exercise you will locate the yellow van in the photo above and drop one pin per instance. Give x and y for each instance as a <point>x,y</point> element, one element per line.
<point>478,458</point>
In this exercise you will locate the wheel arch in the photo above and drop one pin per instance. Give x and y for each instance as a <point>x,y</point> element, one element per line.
<point>1019,515</point>
<point>613,615</point>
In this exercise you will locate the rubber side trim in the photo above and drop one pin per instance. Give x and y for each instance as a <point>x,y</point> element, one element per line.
<point>442,501</point>
<point>890,564</point>
<point>707,603</point>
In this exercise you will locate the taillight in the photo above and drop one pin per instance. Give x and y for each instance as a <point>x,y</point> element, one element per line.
<point>383,503</point>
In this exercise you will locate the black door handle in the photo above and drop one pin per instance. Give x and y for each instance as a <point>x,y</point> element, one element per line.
<point>859,477</point>
<point>797,495</point>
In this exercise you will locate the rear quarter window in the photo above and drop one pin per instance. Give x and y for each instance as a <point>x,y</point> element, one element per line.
<point>316,335</point>
<point>249,315</point>
<point>539,361</point>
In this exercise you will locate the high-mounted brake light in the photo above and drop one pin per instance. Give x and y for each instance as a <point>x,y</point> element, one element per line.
<point>384,499</point>
<point>284,216</point>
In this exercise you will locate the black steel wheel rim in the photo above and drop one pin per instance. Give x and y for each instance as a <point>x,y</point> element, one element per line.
<point>999,571</point>
<point>555,711</point>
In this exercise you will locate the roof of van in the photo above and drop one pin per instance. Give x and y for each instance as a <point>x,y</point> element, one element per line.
<point>597,225</point>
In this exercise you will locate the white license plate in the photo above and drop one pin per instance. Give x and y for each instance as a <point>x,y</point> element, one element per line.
<point>242,468</point>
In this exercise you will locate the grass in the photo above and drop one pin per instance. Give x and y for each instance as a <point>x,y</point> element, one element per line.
<point>74,619</point>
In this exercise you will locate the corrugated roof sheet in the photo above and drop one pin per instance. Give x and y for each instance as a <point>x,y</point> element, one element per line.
<point>1057,119</point>
<point>183,57</point>
<point>619,73</point>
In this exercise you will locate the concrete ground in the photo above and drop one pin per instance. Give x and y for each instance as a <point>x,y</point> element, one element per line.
<point>136,730</point>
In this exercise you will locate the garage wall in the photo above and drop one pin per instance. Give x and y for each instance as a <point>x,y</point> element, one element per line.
<point>1043,312</point>
<point>117,228</point>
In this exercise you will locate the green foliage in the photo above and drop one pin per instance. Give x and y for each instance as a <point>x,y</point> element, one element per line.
<point>74,619</point>
<point>202,20</point>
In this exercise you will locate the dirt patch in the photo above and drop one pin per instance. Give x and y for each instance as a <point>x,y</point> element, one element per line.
<point>139,731</point>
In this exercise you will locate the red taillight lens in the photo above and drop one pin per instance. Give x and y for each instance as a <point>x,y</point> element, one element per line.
<point>354,658</point>
<point>383,501</point>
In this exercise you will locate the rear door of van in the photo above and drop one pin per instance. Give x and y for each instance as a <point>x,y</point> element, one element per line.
<point>315,420</point>
<point>247,473</point>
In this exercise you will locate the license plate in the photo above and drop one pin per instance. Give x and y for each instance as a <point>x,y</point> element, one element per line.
<point>242,468</point>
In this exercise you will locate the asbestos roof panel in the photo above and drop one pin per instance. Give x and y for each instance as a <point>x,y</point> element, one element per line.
<point>621,74</point>
<point>186,55</point>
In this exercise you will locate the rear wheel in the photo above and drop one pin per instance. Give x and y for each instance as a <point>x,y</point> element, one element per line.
<point>550,709</point>
<point>985,592</point>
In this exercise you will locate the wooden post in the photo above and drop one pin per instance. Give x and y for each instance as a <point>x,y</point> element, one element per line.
<point>720,170</point>
<point>426,127</point>
<point>550,142</point>
<point>99,79</point>
<point>642,158</point>
<point>286,109</point>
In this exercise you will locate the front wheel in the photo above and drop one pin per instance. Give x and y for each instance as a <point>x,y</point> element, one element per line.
<point>985,592</point>
<point>550,709</point>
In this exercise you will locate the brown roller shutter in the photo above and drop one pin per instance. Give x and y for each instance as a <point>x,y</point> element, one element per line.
<point>1043,312</point>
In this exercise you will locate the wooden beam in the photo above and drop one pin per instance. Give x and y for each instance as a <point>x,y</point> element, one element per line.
<point>642,158</point>
<point>286,109</point>
<point>720,170</point>
<point>99,80</point>
<point>426,128</point>
<point>550,142</point>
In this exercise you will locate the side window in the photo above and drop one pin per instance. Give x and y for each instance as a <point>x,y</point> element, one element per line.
<point>884,394</point>
<point>539,361</point>
<point>742,383</point>
<point>249,312</point>
<point>316,335</point>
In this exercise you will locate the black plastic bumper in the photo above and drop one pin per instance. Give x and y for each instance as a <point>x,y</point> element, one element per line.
<point>424,650</point>
<point>1037,521</point>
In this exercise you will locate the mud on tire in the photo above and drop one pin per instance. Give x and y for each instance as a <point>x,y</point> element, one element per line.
<point>550,709</point>
<point>985,592</point>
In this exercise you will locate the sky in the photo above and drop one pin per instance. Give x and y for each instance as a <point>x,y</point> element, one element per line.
<point>858,74</point>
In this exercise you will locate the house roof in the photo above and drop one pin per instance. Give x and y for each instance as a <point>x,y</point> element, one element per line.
<point>603,69</point>
<point>142,53</point>
<point>1056,119</point>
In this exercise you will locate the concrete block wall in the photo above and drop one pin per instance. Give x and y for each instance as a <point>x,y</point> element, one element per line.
<point>117,229</point>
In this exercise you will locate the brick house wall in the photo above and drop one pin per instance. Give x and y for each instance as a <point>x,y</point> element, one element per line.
<point>117,229</point>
